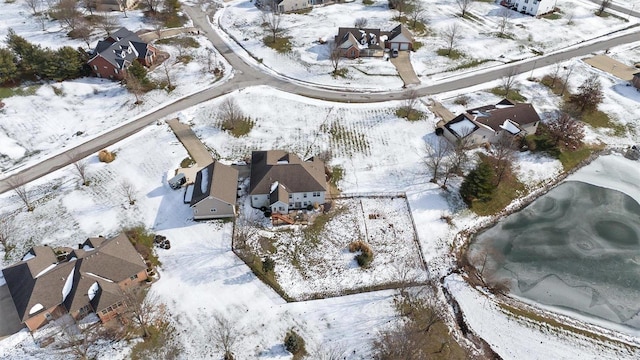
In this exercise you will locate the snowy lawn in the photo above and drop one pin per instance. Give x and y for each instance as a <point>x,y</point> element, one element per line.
<point>313,261</point>
<point>308,59</point>
<point>49,117</point>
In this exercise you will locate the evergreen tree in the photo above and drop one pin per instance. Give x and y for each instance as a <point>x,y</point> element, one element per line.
<point>8,68</point>
<point>478,184</point>
<point>138,71</point>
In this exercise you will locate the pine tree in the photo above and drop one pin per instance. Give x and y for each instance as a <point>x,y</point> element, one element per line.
<point>8,68</point>
<point>478,184</point>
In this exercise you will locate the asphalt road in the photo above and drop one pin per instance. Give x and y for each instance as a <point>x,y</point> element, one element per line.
<point>246,75</point>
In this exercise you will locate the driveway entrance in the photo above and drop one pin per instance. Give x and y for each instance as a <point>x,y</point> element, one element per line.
<point>405,69</point>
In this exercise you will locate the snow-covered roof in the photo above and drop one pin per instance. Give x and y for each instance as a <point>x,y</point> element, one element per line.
<point>35,308</point>
<point>462,128</point>
<point>511,127</point>
<point>93,290</point>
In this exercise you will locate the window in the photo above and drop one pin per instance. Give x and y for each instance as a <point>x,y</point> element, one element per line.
<point>305,195</point>
<point>95,68</point>
<point>316,194</point>
<point>290,196</point>
<point>255,198</point>
<point>280,208</point>
<point>213,210</point>
<point>134,277</point>
<point>104,311</point>
<point>115,71</point>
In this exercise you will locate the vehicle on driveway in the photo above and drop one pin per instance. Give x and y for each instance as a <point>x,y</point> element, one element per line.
<point>394,53</point>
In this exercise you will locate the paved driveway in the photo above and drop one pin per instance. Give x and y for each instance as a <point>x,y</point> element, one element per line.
<point>9,321</point>
<point>405,69</point>
<point>199,153</point>
<point>613,67</point>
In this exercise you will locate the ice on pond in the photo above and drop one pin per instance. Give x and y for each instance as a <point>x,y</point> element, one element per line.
<point>577,248</point>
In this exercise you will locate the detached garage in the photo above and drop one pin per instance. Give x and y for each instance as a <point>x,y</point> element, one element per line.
<point>400,38</point>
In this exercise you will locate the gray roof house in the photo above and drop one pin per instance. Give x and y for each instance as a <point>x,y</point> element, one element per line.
<point>281,181</point>
<point>399,38</point>
<point>213,194</point>
<point>113,55</point>
<point>487,123</point>
<point>90,279</point>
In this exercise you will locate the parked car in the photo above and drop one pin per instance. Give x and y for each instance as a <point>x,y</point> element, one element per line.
<point>177,181</point>
<point>394,53</point>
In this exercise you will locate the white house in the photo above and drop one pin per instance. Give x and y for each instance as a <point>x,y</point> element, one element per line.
<point>281,181</point>
<point>531,7</point>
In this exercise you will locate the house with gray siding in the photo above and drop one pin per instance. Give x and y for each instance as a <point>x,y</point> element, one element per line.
<point>281,181</point>
<point>214,192</point>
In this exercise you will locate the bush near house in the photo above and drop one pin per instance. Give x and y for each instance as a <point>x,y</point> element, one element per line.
<point>365,256</point>
<point>294,344</point>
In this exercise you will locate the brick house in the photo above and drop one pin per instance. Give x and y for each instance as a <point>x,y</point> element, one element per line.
<point>90,279</point>
<point>113,55</point>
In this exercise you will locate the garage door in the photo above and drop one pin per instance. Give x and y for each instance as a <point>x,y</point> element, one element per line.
<point>404,46</point>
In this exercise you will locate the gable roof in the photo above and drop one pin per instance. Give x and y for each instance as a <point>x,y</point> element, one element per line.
<point>495,116</point>
<point>398,31</point>
<point>362,38</point>
<point>461,126</point>
<point>68,283</point>
<point>280,193</point>
<point>288,170</point>
<point>121,48</point>
<point>217,180</point>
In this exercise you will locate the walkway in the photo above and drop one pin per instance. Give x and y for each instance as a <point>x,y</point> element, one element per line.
<point>196,149</point>
<point>405,69</point>
<point>440,111</point>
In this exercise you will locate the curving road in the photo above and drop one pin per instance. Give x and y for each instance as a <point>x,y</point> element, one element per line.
<point>246,75</point>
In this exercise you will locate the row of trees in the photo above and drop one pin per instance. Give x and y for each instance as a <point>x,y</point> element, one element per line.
<point>24,60</point>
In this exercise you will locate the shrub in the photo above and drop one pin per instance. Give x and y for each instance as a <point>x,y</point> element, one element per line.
<point>106,156</point>
<point>268,265</point>
<point>365,257</point>
<point>294,343</point>
<point>461,100</point>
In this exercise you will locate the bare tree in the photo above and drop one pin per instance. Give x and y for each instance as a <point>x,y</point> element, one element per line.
<point>570,15</point>
<point>589,93</point>
<point>167,74</point>
<point>142,308</point>
<point>18,185</point>
<point>399,5</point>
<point>503,155</point>
<point>134,85</point>
<point>272,21</point>
<point>80,340</point>
<point>503,22</point>
<point>7,230</point>
<point>603,5</point>
<point>108,23</point>
<point>566,131</point>
<point>410,105</point>
<point>89,5</point>
<point>34,5</point>
<point>80,167</point>
<point>435,156</point>
<point>151,5</point>
<point>451,36</point>
<point>123,6</point>
<point>67,12</point>
<point>128,190</point>
<point>509,81</point>
<point>566,81</point>
<point>335,55</point>
<point>416,11</point>
<point>330,351</point>
<point>83,32</point>
<point>465,6</point>
<point>360,22</point>
<point>224,335</point>
<point>555,76</point>
<point>43,19</point>
<point>230,114</point>
<point>453,164</point>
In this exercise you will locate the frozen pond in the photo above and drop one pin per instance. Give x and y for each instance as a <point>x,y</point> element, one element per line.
<point>577,248</point>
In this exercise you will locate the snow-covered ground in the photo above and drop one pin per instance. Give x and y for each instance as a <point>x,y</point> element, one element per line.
<point>309,61</point>
<point>312,264</point>
<point>61,115</point>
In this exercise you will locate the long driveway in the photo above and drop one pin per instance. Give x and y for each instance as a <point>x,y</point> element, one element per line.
<point>246,75</point>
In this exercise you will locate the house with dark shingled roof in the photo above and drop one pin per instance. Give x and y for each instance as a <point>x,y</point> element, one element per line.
<point>113,55</point>
<point>92,278</point>
<point>487,124</point>
<point>281,181</point>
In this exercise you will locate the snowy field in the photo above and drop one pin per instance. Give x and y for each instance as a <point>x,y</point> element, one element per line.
<point>309,61</point>
<point>54,116</point>
<point>317,263</point>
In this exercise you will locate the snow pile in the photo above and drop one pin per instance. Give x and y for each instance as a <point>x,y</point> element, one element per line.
<point>93,290</point>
